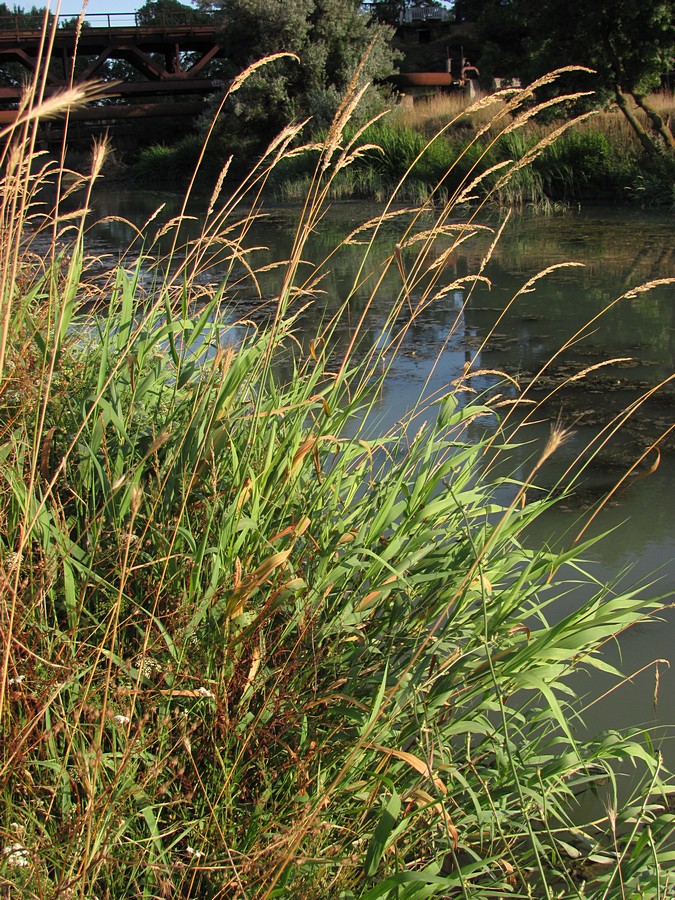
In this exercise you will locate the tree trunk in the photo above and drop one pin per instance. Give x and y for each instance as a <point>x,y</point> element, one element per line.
<point>642,135</point>
<point>658,124</point>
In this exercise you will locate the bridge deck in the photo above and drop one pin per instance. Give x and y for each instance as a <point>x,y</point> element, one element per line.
<point>150,38</point>
<point>166,59</point>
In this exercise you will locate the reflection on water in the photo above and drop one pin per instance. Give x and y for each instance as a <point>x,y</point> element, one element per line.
<point>619,250</point>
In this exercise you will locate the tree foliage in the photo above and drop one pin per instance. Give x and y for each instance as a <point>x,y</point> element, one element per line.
<point>629,45</point>
<point>168,12</point>
<point>24,18</point>
<point>329,37</point>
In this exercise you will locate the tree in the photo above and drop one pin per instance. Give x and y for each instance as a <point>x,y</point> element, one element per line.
<point>329,36</point>
<point>14,73</point>
<point>629,44</point>
<point>169,12</point>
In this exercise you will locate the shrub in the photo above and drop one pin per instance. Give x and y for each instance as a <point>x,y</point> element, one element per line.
<point>160,165</point>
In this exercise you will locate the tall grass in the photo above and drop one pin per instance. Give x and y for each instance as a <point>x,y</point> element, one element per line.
<point>251,650</point>
<point>598,160</point>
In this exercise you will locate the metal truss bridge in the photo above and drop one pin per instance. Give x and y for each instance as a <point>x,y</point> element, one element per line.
<point>165,59</point>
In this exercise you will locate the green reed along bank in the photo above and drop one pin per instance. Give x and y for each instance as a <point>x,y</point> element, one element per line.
<point>442,141</point>
<point>251,648</point>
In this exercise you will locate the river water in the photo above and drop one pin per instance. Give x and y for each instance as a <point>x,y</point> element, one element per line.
<point>619,250</point>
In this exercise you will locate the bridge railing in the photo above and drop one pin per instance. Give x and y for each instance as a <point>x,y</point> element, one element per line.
<point>26,21</point>
<point>425,14</point>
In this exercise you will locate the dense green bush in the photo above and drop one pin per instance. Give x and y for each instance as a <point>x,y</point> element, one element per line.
<point>162,164</point>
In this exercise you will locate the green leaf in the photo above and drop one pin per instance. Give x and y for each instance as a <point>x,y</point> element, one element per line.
<point>374,713</point>
<point>385,826</point>
<point>417,878</point>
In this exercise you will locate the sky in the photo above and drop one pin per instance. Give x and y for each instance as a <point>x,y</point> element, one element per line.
<point>74,7</point>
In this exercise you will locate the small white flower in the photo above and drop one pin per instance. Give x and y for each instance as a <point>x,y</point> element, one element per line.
<point>205,692</point>
<point>121,720</point>
<point>195,854</point>
<point>149,666</point>
<point>17,680</point>
<point>17,856</point>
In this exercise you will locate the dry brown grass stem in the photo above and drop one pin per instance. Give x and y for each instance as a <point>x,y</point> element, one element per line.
<point>654,446</point>
<point>448,230</point>
<point>529,285</point>
<point>235,85</point>
<point>243,77</point>
<point>457,285</point>
<point>559,435</point>
<point>625,680</point>
<point>376,223</point>
<point>601,365</point>
<point>337,128</point>
<point>218,225</point>
<point>617,422</point>
<point>524,117</point>
<point>345,110</point>
<point>539,147</point>
<point>467,376</point>
<point>466,194</point>
<point>608,432</point>
<point>526,288</point>
<point>643,288</point>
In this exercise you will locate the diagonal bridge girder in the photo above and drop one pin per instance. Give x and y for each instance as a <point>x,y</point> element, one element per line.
<point>155,53</point>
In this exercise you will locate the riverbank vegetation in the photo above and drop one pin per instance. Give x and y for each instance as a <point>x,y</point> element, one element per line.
<point>620,54</point>
<point>252,647</point>
<point>598,160</point>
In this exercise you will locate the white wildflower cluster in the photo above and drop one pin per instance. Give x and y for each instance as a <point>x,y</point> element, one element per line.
<point>16,681</point>
<point>194,854</point>
<point>12,561</point>
<point>149,666</point>
<point>121,720</point>
<point>16,856</point>
<point>193,642</point>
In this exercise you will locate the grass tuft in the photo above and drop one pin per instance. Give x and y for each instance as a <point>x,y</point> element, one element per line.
<point>249,648</point>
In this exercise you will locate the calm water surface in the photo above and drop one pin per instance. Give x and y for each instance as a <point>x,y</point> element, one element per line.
<point>619,250</point>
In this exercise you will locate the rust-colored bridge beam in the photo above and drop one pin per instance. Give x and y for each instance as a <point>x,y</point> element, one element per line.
<point>129,89</point>
<point>109,116</point>
<point>160,70</point>
<point>144,47</point>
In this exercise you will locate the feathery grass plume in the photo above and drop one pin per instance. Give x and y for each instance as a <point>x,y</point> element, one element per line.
<point>541,145</point>
<point>467,195</point>
<point>218,186</point>
<point>58,104</point>
<point>243,77</point>
<point>352,97</point>
<point>526,115</point>
<point>232,88</point>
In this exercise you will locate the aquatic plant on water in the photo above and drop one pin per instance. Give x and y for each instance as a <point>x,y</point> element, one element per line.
<point>250,647</point>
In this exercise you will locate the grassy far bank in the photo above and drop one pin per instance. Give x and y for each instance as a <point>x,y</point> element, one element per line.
<point>248,649</point>
<point>598,160</point>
